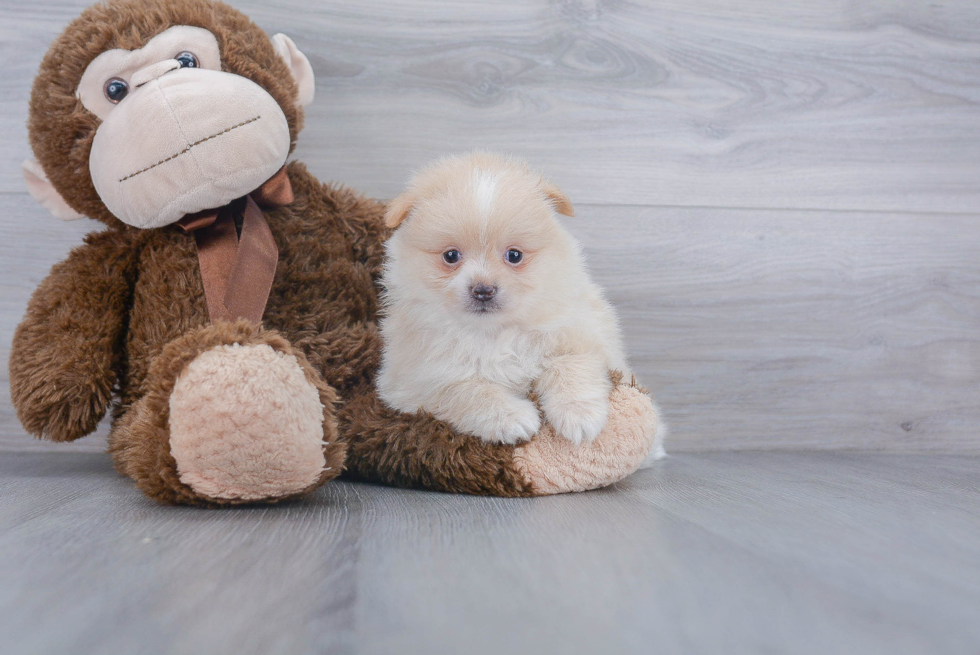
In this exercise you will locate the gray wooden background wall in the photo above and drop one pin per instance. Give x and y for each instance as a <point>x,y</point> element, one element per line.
<point>780,195</point>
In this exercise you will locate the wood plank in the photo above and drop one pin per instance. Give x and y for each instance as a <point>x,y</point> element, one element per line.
<point>755,329</point>
<point>847,105</point>
<point>714,552</point>
<point>768,329</point>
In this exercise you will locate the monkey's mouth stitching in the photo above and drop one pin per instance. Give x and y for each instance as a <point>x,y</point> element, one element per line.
<point>196,143</point>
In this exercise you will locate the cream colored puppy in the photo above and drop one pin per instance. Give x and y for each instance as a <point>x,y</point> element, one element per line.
<point>487,299</point>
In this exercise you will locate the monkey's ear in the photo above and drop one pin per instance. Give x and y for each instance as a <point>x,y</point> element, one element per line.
<point>398,210</point>
<point>41,189</point>
<point>299,66</point>
<point>558,199</point>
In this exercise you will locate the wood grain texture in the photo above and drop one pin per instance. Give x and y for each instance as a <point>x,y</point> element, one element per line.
<point>755,329</point>
<point>708,553</point>
<point>781,329</point>
<point>846,105</point>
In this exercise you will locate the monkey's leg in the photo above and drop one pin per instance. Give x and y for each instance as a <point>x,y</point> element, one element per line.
<point>231,414</point>
<point>633,436</point>
<point>419,451</point>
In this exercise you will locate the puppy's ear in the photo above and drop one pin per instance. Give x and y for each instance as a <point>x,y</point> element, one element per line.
<point>558,199</point>
<point>398,210</point>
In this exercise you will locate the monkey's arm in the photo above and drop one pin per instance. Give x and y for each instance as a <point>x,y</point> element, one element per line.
<point>67,350</point>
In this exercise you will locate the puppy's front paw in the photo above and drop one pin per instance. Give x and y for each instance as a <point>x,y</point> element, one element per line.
<point>509,422</point>
<point>580,421</point>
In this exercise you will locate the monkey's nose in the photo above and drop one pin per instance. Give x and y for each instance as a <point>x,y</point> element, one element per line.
<point>152,72</point>
<point>484,292</point>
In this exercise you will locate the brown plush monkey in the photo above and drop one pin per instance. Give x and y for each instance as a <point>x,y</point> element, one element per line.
<point>227,310</point>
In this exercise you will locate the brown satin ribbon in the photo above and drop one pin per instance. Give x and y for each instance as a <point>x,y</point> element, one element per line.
<point>237,270</point>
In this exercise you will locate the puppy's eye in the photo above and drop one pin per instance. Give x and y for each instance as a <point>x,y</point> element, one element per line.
<point>514,256</point>
<point>115,89</point>
<point>187,60</point>
<point>451,256</point>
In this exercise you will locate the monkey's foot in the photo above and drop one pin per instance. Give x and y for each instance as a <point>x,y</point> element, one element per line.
<point>552,464</point>
<point>420,451</point>
<point>243,417</point>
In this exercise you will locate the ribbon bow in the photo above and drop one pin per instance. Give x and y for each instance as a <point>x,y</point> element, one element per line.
<point>238,265</point>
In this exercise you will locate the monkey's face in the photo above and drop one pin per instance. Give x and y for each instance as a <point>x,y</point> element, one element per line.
<point>172,129</point>
<point>178,135</point>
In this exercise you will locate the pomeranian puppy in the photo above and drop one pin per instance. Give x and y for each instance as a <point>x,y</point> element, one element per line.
<point>487,299</point>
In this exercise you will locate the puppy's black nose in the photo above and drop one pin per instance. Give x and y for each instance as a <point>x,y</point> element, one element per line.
<point>484,292</point>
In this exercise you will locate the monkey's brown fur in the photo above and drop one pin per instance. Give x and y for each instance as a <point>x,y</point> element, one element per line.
<point>61,129</point>
<point>123,315</point>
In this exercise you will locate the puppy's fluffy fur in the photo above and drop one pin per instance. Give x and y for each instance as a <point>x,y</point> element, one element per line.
<point>469,340</point>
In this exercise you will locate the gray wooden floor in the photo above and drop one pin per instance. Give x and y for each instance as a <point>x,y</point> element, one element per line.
<point>705,553</point>
<point>781,197</point>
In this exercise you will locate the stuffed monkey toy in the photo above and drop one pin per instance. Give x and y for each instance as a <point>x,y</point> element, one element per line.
<point>226,312</point>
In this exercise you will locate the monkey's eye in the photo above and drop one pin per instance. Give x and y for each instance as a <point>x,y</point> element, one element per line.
<point>187,60</point>
<point>115,89</point>
<point>451,256</point>
<point>514,256</point>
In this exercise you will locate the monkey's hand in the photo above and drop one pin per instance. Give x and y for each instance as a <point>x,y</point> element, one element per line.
<point>67,350</point>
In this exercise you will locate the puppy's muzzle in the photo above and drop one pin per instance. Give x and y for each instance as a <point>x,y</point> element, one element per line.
<point>483,292</point>
<point>483,299</point>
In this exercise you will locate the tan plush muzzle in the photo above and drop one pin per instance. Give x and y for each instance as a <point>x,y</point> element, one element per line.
<point>185,140</point>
